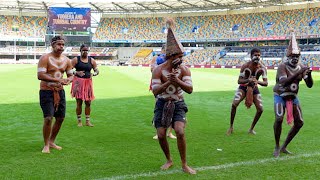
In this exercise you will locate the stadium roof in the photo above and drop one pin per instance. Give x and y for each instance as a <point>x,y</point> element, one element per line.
<point>143,6</point>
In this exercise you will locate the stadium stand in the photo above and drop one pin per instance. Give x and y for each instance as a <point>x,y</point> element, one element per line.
<point>211,27</point>
<point>238,28</point>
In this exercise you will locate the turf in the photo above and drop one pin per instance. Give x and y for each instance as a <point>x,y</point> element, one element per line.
<point>120,146</point>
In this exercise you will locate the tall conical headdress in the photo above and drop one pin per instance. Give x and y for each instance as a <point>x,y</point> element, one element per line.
<point>293,46</point>
<point>173,44</point>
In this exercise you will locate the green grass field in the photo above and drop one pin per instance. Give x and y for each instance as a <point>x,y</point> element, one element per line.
<point>120,146</point>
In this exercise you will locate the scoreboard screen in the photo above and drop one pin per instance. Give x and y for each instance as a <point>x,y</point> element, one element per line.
<point>69,19</point>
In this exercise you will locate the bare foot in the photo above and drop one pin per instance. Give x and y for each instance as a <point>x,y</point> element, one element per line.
<point>54,146</point>
<point>170,135</point>
<point>155,137</point>
<point>88,123</point>
<point>79,124</point>
<point>167,165</point>
<point>276,152</point>
<point>285,151</point>
<point>189,170</point>
<point>46,150</point>
<point>251,131</point>
<point>230,131</point>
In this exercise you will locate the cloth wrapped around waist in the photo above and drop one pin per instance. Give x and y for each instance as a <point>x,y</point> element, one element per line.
<point>55,87</point>
<point>249,97</point>
<point>289,107</point>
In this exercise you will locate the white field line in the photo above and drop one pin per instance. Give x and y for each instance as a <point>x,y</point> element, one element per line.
<point>217,167</point>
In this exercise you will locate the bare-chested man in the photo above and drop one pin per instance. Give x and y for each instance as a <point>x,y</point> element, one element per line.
<point>289,74</point>
<point>248,80</point>
<point>51,68</point>
<point>157,60</point>
<point>169,80</point>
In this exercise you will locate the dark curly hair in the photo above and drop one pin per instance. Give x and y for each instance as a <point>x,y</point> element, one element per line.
<point>57,38</point>
<point>254,50</point>
<point>84,45</point>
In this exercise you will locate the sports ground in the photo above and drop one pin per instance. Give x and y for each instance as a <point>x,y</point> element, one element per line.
<point>120,146</point>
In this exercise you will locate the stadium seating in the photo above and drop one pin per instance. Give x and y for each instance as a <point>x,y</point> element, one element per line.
<point>143,56</point>
<point>188,29</point>
<point>211,27</point>
<point>23,27</point>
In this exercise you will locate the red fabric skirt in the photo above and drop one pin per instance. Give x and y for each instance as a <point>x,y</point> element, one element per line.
<point>82,89</point>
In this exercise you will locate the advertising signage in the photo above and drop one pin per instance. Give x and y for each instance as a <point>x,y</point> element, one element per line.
<point>69,19</point>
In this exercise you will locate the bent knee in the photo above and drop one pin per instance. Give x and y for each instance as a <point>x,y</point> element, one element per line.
<point>60,120</point>
<point>179,131</point>
<point>48,119</point>
<point>161,134</point>
<point>235,105</point>
<point>300,123</point>
<point>260,110</point>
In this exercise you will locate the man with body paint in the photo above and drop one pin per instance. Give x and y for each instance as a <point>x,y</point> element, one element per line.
<point>51,68</point>
<point>82,88</point>
<point>156,61</point>
<point>289,74</point>
<point>248,81</point>
<point>169,81</point>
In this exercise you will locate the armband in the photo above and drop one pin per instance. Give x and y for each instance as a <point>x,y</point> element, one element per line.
<point>96,72</point>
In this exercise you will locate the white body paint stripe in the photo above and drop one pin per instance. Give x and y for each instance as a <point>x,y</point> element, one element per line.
<point>42,69</point>
<point>217,167</point>
<point>247,69</point>
<point>155,86</point>
<point>54,63</point>
<point>184,78</point>
<point>282,77</point>
<point>156,81</point>
<point>279,111</point>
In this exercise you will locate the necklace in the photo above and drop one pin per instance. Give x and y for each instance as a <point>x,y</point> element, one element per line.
<point>293,70</point>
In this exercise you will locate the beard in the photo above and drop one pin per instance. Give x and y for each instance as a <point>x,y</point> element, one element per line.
<point>293,62</point>
<point>255,60</point>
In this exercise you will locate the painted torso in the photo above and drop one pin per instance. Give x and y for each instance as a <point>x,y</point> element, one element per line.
<point>172,91</point>
<point>55,68</point>
<point>248,70</point>
<point>286,71</point>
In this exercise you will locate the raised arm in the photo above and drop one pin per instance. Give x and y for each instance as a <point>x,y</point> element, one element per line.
<point>242,79</point>
<point>284,80</point>
<point>264,81</point>
<point>186,82</point>
<point>308,78</point>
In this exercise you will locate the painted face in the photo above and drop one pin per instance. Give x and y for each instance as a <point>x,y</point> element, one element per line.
<point>177,60</point>
<point>293,59</point>
<point>58,46</point>
<point>255,57</point>
<point>84,51</point>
